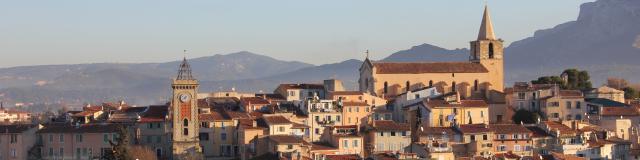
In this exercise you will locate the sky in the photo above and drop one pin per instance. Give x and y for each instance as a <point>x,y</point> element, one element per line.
<point>316,32</point>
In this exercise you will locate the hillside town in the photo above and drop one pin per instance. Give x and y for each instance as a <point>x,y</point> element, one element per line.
<point>401,110</point>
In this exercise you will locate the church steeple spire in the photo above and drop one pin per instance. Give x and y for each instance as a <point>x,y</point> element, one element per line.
<point>184,73</point>
<point>486,28</point>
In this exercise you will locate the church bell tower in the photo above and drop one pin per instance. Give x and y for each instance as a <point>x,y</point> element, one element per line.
<point>488,51</point>
<point>184,113</point>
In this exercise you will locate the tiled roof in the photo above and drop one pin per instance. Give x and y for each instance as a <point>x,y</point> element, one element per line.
<point>350,103</point>
<point>508,128</point>
<point>14,128</point>
<point>286,139</point>
<point>154,114</point>
<point>343,157</point>
<point>524,87</point>
<point>253,100</point>
<point>425,67</point>
<point>557,126</point>
<point>538,132</point>
<point>84,128</point>
<point>474,128</point>
<point>619,111</point>
<point>276,120</point>
<point>337,93</point>
<point>387,125</point>
<point>571,94</point>
<point>84,113</point>
<point>439,131</point>
<point>299,126</point>
<point>508,155</point>
<point>319,146</point>
<point>271,96</point>
<point>560,156</point>
<point>210,117</point>
<point>301,86</point>
<point>463,103</point>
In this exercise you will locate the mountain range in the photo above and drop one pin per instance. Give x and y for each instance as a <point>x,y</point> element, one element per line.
<point>604,39</point>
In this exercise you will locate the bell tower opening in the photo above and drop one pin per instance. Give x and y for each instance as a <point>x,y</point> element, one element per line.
<point>491,56</point>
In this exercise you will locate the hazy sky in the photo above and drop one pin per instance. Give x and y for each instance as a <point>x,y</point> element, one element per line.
<point>327,31</point>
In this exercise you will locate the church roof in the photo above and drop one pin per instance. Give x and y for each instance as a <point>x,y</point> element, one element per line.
<point>486,28</point>
<point>184,72</point>
<point>428,67</point>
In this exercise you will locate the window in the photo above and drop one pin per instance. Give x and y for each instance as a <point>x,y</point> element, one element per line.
<point>502,148</point>
<point>350,109</point>
<point>528,148</point>
<point>554,104</point>
<point>50,151</point>
<point>292,93</point>
<point>475,85</point>
<point>453,86</point>
<point>204,124</point>
<point>408,86</point>
<point>79,137</point>
<point>472,137</point>
<point>381,134</point>
<point>185,122</point>
<point>355,143</point>
<point>338,118</point>
<point>223,136</point>
<point>578,117</point>
<point>78,153</point>
<point>61,138</point>
<point>484,137</point>
<point>515,136</point>
<point>14,138</point>
<point>521,95</point>
<point>491,56</point>
<point>430,83</point>
<point>386,85</point>
<point>502,136</point>
<point>393,134</point>
<point>13,153</point>
<point>417,96</point>
<point>568,104</point>
<point>61,152</point>
<point>357,109</point>
<point>366,109</point>
<point>204,136</point>
<point>185,131</point>
<point>281,129</point>
<point>404,133</point>
<point>105,138</point>
<point>345,143</point>
<point>516,148</point>
<point>317,118</point>
<point>290,146</point>
<point>481,113</point>
<point>555,115</point>
<point>158,152</point>
<point>578,105</point>
<point>317,131</point>
<point>569,117</point>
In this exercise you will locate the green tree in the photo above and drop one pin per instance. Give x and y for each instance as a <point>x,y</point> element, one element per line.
<point>121,145</point>
<point>549,80</point>
<point>631,93</point>
<point>524,116</point>
<point>577,79</point>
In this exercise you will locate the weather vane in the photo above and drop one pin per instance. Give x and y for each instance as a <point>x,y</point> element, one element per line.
<point>184,52</point>
<point>367,52</point>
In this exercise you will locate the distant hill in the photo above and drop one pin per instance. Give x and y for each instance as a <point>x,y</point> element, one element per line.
<point>136,82</point>
<point>428,53</point>
<point>601,40</point>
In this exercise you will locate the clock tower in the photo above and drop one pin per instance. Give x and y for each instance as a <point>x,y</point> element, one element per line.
<point>184,113</point>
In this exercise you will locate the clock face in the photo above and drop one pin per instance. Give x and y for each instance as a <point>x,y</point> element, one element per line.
<point>184,98</point>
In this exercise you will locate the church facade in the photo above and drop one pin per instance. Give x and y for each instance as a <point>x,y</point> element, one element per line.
<point>478,77</point>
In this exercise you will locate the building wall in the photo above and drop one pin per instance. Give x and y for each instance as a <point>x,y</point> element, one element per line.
<point>316,128</point>
<point>20,148</point>
<point>396,83</point>
<point>355,115</point>
<point>93,144</point>
<point>388,143</point>
<point>557,108</point>
<point>521,146</point>
<point>479,115</point>
<point>155,135</point>
<point>350,147</point>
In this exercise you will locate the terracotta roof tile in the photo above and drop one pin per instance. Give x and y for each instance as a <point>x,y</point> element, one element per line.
<point>619,111</point>
<point>301,86</point>
<point>353,103</point>
<point>337,93</point>
<point>439,131</point>
<point>253,100</point>
<point>276,120</point>
<point>571,94</point>
<point>557,126</point>
<point>538,132</point>
<point>154,114</point>
<point>343,157</point>
<point>387,125</point>
<point>474,128</point>
<point>84,128</point>
<point>210,117</point>
<point>14,128</point>
<point>428,67</point>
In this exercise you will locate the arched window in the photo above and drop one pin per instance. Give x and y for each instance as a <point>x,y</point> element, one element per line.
<point>453,86</point>
<point>430,83</point>
<point>475,85</point>
<point>386,87</point>
<point>491,50</point>
<point>408,84</point>
<point>185,123</point>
